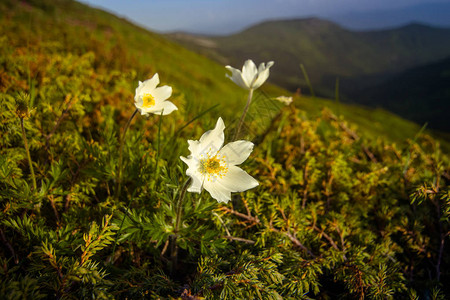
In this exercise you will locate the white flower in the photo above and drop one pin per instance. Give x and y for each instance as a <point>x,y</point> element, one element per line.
<point>284,99</point>
<point>152,99</point>
<point>250,77</point>
<point>213,167</point>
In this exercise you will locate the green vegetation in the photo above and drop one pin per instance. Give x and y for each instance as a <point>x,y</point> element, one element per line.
<point>341,210</point>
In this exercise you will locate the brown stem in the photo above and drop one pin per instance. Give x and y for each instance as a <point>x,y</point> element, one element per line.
<point>238,239</point>
<point>241,215</point>
<point>294,240</point>
<point>326,236</point>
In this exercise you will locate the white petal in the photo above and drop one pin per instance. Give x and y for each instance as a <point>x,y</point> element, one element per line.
<point>236,152</point>
<point>217,191</point>
<point>166,107</point>
<point>237,180</point>
<point>193,147</point>
<point>236,77</point>
<point>197,179</point>
<point>263,66</point>
<point>212,140</point>
<point>249,72</point>
<point>147,86</point>
<point>162,93</point>
<point>141,110</point>
<point>262,75</point>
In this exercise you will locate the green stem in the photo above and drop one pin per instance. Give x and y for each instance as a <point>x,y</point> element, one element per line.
<point>120,229</point>
<point>158,150</point>
<point>122,142</point>
<point>25,141</point>
<point>241,121</point>
<point>174,247</point>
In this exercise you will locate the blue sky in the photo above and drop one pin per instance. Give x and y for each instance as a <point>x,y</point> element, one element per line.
<point>226,16</point>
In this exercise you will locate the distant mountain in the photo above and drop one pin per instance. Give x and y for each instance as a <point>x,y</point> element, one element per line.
<point>328,51</point>
<point>435,14</point>
<point>421,94</point>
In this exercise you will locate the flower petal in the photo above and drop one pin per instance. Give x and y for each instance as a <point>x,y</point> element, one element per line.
<point>162,93</point>
<point>236,77</point>
<point>236,152</point>
<point>166,107</point>
<point>237,180</point>
<point>193,147</point>
<point>147,86</point>
<point>197,178</point>
<point>217,191</point>
<point>212,140</point>
<point>262,75</point>
<point>249,72</point>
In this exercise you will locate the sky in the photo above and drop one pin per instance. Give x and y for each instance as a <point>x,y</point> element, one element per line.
<point>228,16</point>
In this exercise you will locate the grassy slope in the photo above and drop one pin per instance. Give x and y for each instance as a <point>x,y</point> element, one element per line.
<point>197,81</point>
<point>120,45</point>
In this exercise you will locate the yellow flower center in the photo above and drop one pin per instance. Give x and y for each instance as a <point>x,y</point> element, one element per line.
<point>148,100</point>
<point>213,166</point>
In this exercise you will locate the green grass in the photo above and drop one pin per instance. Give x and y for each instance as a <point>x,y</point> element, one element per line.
<point>338,213</point>
<point>198,82</point>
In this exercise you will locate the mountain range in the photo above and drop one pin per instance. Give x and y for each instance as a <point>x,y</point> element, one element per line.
<point>434,14</point>
<point>329,52</point>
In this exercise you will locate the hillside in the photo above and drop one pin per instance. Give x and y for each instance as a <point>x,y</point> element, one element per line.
<point>421,94</point>
<point>313,200</point>
<point>329,51</point>
<point>359,59</point>
<point>117,45</point>
<point>63,26</point>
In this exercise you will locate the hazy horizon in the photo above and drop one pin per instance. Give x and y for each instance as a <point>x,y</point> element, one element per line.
<point>228,16</point>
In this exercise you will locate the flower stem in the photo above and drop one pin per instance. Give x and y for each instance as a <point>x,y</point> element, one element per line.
<point>25,141</point>
<point>174,247</point>
<point>122,142</point>
<point>241,121</point>
<point>120,229</point>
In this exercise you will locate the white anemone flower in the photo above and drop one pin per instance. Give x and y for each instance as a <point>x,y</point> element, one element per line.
<point>284,99</point>
<point>152,99</point>
<point>250,77</point>
<point>214,167</point>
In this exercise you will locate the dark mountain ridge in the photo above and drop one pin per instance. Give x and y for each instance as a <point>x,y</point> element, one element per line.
<point>404,94</point>
<point>360,59</point>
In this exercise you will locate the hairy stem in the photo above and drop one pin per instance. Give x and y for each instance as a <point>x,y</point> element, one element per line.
<point>241,120</point>
<point>27,149</point>
<point>120,229</point>
<point>122,142</point>
<point>174,247</point>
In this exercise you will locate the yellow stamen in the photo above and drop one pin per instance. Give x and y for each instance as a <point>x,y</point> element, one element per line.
<point>148,100</point>
<point>213,166</point>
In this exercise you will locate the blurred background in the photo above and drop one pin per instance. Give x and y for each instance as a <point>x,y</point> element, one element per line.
<point>385,54</point>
